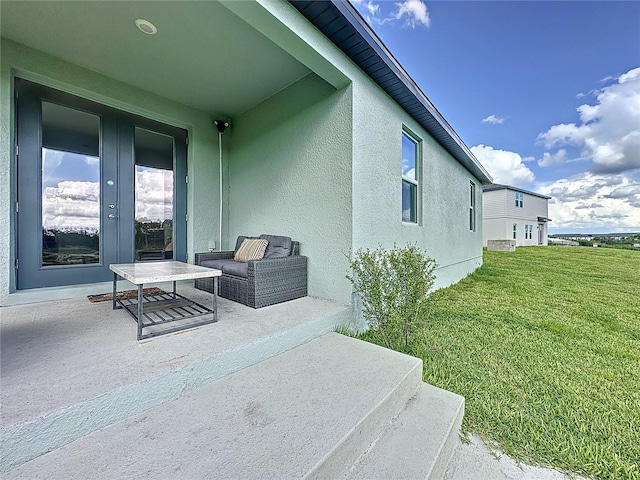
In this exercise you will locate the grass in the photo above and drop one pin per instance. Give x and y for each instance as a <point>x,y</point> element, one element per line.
<point>544,344</point>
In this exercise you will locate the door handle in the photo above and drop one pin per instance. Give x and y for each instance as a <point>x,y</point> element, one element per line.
<point>113,216</point>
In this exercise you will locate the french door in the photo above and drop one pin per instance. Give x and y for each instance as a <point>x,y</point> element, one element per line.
<point>95,186</point>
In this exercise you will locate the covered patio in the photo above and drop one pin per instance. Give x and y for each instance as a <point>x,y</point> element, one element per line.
<point>71,367</point>
<point>230,62</point>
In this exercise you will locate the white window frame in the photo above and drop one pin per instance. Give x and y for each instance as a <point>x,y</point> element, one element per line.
<point>472,207</point>
<point>528,232</point>
<point>515,231</point>
<point>519,199</point>
<point>418,169</point>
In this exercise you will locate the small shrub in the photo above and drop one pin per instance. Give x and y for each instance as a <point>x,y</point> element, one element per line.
<point>394,287</point>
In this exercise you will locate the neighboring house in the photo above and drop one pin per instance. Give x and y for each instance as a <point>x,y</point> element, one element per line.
<point>110,152</point>
<point>510,213</point>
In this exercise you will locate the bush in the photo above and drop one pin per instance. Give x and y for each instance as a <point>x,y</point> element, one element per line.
<point>394,287</point>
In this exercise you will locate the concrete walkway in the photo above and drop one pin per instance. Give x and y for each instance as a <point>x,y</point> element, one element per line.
<point>474,461</point>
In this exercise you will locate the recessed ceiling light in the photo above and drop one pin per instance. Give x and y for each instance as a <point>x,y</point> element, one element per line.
<point>146,26</point>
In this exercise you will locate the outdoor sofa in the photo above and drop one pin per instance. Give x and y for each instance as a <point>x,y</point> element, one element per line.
<point>279,276</point>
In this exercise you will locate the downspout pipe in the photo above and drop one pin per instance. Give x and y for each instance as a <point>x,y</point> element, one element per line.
<point>221,125</point>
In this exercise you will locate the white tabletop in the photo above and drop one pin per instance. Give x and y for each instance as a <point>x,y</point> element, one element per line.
<point>150,272</point>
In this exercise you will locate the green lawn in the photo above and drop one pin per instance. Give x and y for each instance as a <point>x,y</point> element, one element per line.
<point>544,344</point>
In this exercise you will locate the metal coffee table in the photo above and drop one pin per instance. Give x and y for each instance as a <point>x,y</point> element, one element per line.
<point>164,308</point>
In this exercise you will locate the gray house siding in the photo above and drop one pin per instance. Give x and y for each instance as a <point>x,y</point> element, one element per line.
<point>501,214</point>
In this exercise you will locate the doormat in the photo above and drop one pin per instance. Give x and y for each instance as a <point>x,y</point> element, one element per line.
<point>107,297</point>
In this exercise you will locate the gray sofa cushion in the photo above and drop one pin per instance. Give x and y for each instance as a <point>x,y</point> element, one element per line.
<point>228,266</point>
<point>237,269</point>
<point>278,246</point>
<point>217,264</point>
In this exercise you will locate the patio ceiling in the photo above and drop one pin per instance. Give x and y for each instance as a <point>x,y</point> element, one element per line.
<point>203,54</point>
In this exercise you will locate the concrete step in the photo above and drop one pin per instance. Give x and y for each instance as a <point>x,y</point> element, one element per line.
<point>74,367</point>
<point>419,442</point>
<point>309,412</point>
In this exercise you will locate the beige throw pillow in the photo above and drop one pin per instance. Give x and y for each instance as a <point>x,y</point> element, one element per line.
<point>251,250</point>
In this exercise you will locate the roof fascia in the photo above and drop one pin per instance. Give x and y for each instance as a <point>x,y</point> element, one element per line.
<point>459,150</point>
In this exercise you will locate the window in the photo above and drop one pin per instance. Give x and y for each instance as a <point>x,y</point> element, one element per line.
<point>515,231</point>
<point>410,170</point>
<point>472,206</point>
<point>528,232</point>
<point>519,199</point>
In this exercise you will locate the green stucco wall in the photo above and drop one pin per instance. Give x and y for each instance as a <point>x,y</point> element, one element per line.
<point>289,173</point>
<point>377,128</point>
<point>202,152</point>
<point>443,230</point>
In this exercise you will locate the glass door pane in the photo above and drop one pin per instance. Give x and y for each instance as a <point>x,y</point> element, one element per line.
<point>154,209</point>
<point>70,186</point>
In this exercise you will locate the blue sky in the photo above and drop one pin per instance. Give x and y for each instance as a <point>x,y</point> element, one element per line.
<point>546,94</point>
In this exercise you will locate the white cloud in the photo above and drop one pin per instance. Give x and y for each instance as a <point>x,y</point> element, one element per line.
<point>414,12</point>
<point>609,131</point>
<point>493,119</point>
<point>75,205</point>
<point>373,8</point>
<point>154,194</point>
<point>553,158</point>
<point>589,201</point>
<point>369,6</point>
<point>504,166</point>
<point>72,205</point>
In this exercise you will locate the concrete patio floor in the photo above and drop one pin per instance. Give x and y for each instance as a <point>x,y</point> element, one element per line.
<point>56,354</point>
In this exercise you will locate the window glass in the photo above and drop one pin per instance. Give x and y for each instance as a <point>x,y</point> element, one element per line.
<point>515,231</point>
<point>409,179</point>
<point>153,195</point>
<point>70,186</point>
<point>528,232</point>
<point>472,205</point>
<point>409,154</point>
<point>409,194</point>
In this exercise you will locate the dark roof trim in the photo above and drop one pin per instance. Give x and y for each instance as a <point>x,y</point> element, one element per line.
<point>339,21</point>
<point>543,219</point>
<point>496,186</point>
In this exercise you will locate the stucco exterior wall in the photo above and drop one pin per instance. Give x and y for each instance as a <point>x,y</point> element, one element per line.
<point>443,228</point>
<point>54,72</point>
<point>289,173</point>
<point>377,160</point>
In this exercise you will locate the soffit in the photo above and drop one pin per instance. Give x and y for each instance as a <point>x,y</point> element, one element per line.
<point>203,55</point>
<point>344,26</point>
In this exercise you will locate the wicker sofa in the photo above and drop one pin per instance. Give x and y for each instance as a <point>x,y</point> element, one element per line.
<point>280,276</point>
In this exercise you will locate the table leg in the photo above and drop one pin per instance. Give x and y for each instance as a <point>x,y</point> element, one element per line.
<point>215,299</point>
<point>174,289</point>
<point>114,294</point>
<point>140,310</point>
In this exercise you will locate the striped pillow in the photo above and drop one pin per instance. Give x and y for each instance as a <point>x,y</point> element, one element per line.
<point>251,250</point>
